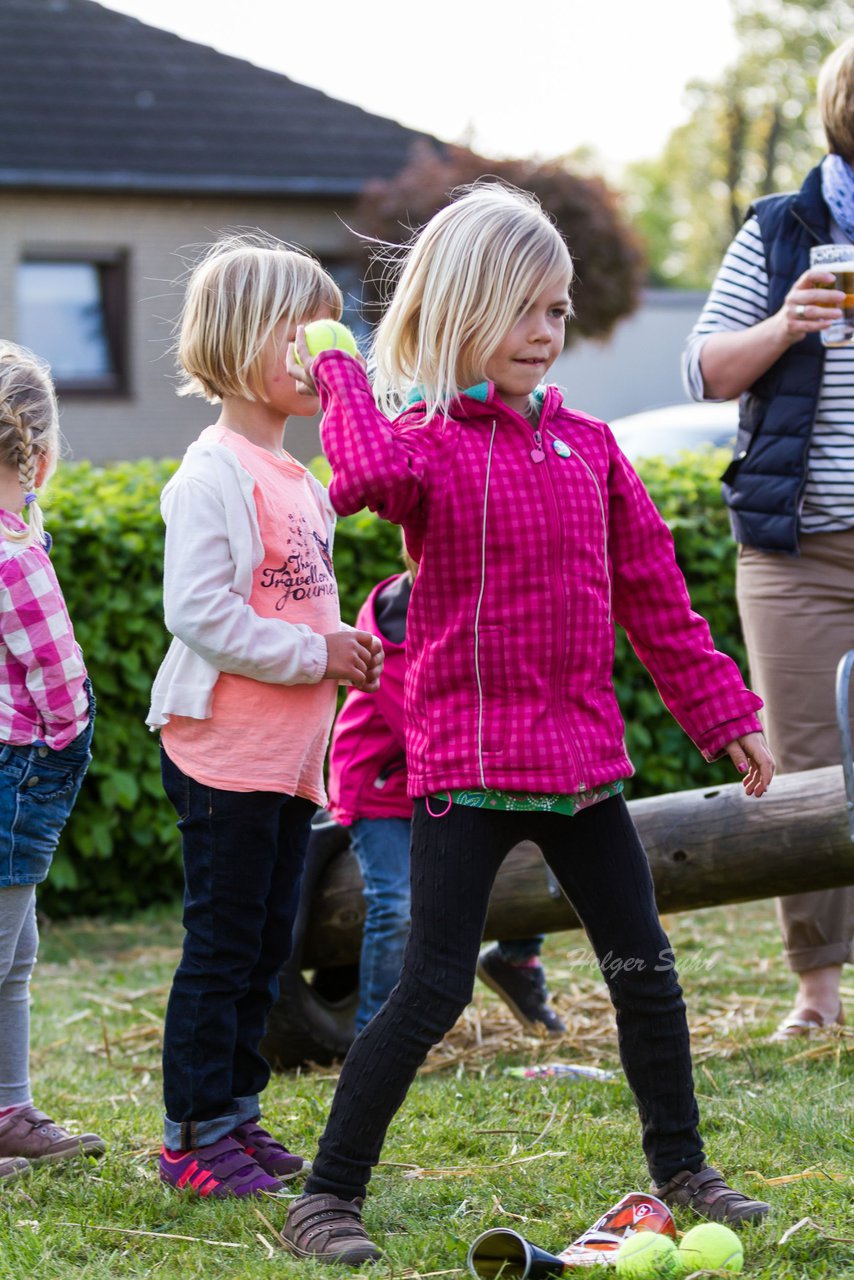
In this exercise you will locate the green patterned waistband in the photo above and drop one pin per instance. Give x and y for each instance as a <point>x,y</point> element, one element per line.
<point>524,801</point>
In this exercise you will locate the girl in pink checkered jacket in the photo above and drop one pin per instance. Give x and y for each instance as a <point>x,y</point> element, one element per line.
<point>534,537</point>
<point>46,714</point>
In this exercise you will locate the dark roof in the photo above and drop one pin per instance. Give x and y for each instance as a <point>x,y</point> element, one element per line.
<point>93,99</point>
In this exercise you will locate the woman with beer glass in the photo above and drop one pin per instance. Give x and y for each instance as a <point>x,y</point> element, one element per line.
<point>778,331</point>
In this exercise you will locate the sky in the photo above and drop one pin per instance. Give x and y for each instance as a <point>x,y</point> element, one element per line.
<point>541,78</point>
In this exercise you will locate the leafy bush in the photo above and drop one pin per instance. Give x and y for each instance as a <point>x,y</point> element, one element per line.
<point>120,849</point>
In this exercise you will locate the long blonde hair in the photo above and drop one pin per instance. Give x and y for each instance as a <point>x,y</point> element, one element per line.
<point>29,430</point>
<point>462,282</point>
<point>244,284</point>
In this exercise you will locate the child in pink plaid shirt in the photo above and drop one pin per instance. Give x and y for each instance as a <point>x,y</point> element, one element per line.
<point>46,713</point>
<point>534,536</point>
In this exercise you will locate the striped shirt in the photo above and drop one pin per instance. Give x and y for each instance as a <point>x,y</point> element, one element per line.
<point>738,300</point>
<point>42,676</point>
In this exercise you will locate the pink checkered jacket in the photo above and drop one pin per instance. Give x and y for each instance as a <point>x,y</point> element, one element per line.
<point>42,676</point>
<point>532,543</point>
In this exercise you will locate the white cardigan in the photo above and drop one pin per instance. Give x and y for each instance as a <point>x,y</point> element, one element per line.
<point>213,545</point>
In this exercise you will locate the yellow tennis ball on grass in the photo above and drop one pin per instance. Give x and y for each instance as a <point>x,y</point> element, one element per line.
<point>646,1255</point>
<point>711,1247</point>
<point>324,335</point>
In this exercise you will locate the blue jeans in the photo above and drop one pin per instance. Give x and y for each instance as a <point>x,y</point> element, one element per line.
<point>382,848</point>
<point>243,858</point>
<point>38,788</point>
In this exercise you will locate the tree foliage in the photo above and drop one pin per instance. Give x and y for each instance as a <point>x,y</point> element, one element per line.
<point>753,131</point>
<point>606,251</point>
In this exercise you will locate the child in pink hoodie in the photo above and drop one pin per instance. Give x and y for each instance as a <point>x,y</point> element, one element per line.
<point>367,793</point>
<point>534,536</point>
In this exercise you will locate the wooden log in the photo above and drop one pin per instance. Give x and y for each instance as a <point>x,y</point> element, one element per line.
<point>706,847</point>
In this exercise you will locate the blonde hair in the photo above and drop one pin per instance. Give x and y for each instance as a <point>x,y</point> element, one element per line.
<point>836,100</point>
<point>243,286</point>
<point>29,431</point>
<point>463,281</point>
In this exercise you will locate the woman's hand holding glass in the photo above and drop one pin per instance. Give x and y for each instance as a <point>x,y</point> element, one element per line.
<point>811,305</point>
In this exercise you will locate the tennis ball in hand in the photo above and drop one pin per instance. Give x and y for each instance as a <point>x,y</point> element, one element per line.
<point>711,1247</point>
<point>323,335</point>
<point>646,1255</point>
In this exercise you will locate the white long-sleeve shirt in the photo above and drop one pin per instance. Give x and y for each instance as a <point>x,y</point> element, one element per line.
<point>211,519</point>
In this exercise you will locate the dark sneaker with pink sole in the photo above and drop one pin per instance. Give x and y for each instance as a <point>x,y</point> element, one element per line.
<point>270,1154</point>
<point>222,1169</point>
<point>523,989</point>
<point>29,1133</point>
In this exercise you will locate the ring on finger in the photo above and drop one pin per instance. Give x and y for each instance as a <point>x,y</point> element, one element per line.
<point>800,311</point>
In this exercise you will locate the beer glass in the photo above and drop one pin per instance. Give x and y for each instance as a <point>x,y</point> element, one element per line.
<point>838,258</point>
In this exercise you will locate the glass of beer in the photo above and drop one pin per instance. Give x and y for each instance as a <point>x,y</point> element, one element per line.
<point>838,258</point>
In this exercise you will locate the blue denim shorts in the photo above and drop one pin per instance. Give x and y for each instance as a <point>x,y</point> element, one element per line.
<point>38,788</point>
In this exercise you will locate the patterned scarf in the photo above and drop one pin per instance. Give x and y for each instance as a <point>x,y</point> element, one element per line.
<point>837,187</point>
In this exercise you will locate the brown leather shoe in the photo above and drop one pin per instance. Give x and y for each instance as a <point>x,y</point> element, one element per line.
<point>805,1022</point>
<point>709,1196</point>
<point>30,1133</point>
<point>13,1168</point>
<point>328,1229</point>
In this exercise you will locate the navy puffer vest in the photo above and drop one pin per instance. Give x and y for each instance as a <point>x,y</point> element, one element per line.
<point>764,483</point>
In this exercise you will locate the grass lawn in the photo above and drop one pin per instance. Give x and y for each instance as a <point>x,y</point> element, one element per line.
<point>472,1147</point>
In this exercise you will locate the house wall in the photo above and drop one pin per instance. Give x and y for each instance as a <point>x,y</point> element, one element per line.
<point>150,420</point>
<point>638,367</point>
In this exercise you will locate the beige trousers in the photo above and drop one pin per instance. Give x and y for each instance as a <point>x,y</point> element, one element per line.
<point>797,614</point>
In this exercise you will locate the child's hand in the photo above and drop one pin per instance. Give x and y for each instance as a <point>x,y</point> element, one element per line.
<point>375,670</point>
<point>351,659</point>
<point>751,756</point>
<point>301,373</point>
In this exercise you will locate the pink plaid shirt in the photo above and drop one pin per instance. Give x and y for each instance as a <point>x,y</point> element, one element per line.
<point>42,675</point>
<point>531,547</point>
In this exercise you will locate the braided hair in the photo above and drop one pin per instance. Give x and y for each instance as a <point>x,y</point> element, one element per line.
<point>29,430</point>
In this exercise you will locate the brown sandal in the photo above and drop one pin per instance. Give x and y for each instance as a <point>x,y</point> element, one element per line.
<point>328,1229</point>
<point>709,1196</point>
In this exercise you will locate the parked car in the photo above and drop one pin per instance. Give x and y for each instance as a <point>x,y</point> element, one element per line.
<point>675,428</point>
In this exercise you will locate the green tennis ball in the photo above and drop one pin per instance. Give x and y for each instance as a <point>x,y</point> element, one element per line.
<point>646,1255</point>
<point>711,1247</point>
<point>323,335</point>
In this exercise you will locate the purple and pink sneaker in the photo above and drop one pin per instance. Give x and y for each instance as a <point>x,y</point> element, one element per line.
<point>270,1154</point>
<point>225,1168</point>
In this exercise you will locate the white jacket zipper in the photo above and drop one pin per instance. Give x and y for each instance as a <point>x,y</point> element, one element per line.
<point>477,610</point>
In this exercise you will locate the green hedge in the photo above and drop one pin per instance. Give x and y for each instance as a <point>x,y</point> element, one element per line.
<point>688,495</point>
<point>120,849</point>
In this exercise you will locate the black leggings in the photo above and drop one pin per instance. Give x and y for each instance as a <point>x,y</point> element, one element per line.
<point>599,861</point>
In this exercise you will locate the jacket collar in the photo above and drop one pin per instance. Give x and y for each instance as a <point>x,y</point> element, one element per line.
<point>809,209</point>
<point>472,402</point>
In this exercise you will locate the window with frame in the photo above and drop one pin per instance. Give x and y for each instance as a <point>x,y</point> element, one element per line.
<point>72,311</point>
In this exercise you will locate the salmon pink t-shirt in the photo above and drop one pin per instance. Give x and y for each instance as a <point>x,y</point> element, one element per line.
<point>260,736</point>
